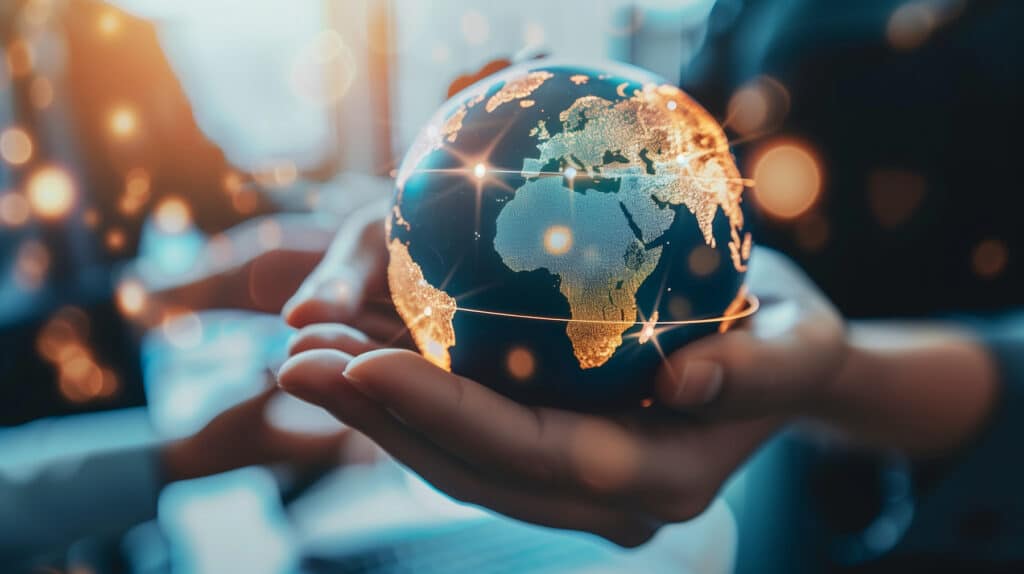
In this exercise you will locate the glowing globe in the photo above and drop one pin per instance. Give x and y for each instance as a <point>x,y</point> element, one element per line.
<point>557,229</point>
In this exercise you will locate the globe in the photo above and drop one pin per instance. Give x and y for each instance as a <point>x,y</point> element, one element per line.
<point>557,229</point>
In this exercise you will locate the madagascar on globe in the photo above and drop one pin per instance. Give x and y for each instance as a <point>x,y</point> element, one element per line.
<point>557,229</point>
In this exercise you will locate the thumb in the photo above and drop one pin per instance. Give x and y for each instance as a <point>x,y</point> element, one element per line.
<point>353,264</point>
<point>787,351</point>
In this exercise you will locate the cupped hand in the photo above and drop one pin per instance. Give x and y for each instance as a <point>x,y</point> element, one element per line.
<point>620,477</point>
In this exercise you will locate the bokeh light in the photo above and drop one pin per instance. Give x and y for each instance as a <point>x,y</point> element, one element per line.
<point>20,58</point>
<point>220,249</point>
<point>758,106</point>
<point>277,174</point>
<point>63,341</point>
<point>136,191</point>
<point>31,265</point>
<point>269,234</point>
<point>131,297</point>
<point>558,240</point>
<point>114,239</point>
<point>15,146</point>
<point>183,329</point>
<point>788,179</point>
<point>232,182</point>
<point>51,192</point>
<point>14,209</point>
<point>91,217</point>
<point>680,308</point>
<point>910,25</point>
<point>894,195</point>
<point>703,260</point>
<point>123,121</point>
<point>109,23</point>
<point>520,363</point>
<point>172,215</point>
<point>245,201</point>
<point>989,258</point>
<point>324,69</point>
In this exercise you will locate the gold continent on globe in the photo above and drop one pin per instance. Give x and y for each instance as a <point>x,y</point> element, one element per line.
<point>548,213</point>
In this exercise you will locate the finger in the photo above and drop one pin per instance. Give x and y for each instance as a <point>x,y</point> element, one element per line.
<point>316,376</point>
<point>331,336</point>
<point>531,444</point>
<point>789,346</point>
<point>231,270</point>
<point>303,447</point>
<point>352,266</point>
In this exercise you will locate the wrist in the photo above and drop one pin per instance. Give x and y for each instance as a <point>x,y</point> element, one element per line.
<point>924,389</point>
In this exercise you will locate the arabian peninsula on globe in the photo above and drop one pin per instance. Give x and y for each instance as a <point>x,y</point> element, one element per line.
<point>558,228</point>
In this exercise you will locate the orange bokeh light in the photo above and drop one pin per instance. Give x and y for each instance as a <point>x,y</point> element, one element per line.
<point>558,240</point>
<point>136,191</point>
<point>109,23</point>
<point>14,210</point>
<point>115,239</point>
<point>989,258</point>
<point>520,363</point>
<point>123,122</point>
<point>131,297</point>
<point>788,179</point>
<point>15,146</point>
<point>910,25</point>
<point>31,265</point>
<point>51,192</point>
<point>172,215</point>
<point>703,260</point>
<point>20,58</point>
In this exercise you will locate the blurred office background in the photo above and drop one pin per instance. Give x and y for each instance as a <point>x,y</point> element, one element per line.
<point>135,132</point>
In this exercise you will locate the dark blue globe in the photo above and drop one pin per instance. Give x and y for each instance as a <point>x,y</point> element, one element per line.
<point>557,229</point>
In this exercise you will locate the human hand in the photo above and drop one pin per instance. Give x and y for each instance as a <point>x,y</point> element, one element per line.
<point>620,477</point>
<point>258,264</point>
<point>242,436</point>
<point>350,284</point>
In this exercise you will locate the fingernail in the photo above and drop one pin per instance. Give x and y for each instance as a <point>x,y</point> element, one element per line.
<point>700,382</point>
<point>311,374</point>
<point>362,387</point>
<point>295,300</point>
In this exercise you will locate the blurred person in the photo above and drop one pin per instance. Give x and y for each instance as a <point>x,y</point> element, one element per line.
<point>88,100</point>
<point>877,445</point>
<point>56,501</point>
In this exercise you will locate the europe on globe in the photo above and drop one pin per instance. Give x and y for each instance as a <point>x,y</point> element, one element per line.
<point>558,228</point>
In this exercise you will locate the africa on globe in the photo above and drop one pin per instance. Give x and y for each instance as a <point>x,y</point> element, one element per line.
<point>558,228</point>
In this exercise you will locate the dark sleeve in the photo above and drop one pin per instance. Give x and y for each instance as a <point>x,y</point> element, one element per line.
<point>46,508</point>
<point>973,507</point>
